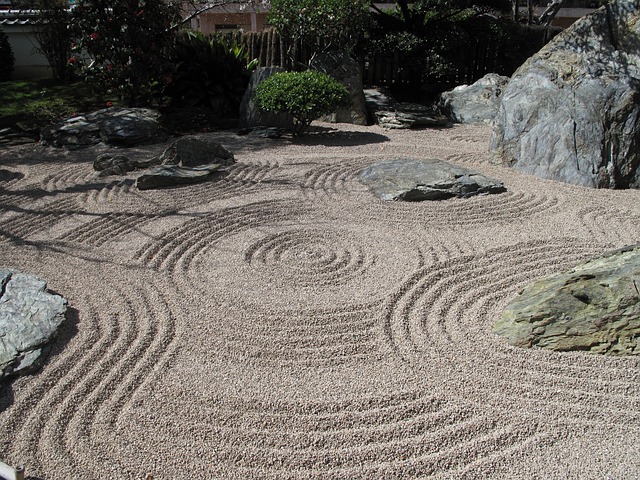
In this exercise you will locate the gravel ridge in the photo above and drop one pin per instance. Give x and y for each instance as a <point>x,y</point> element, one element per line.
<point>280,322</point>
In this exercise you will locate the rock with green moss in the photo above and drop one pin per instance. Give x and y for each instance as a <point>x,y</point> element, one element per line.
<point>593,307</point>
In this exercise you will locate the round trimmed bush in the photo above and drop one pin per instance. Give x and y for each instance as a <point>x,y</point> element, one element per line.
<point>305,95</point>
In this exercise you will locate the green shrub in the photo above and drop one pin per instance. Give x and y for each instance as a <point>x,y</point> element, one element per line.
<point>7,60</point>
<point>126,42</point>
<point>305,95</point>
<point>339,23</point>
<point>209,72</point>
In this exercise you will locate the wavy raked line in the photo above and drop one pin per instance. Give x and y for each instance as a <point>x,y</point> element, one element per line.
<point>314,338</point>
<point>403,435</point>
<point>104,228</point>
<point>449,307</point>
<point>87,387</point>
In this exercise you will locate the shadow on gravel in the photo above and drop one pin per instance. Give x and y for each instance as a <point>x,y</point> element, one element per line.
<point>337,138</point>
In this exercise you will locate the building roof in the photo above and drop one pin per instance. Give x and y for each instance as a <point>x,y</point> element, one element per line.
<point>19,17</point>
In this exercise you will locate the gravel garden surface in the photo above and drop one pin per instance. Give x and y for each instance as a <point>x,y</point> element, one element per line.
<point>281,322</point>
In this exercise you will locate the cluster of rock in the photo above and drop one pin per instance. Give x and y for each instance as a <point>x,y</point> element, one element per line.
<point>572,111</point>
<point>187,160</point>
<point>412,180</point>
<point>29,319</point>
<point>123,127</point>
<point>593,307</point>
<point>410,115</point>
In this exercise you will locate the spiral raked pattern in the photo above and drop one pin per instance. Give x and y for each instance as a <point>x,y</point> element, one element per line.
<point>280,322</point>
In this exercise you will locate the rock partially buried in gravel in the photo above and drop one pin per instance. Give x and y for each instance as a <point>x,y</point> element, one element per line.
<point>593,307</point>
<point>110,164</point>
<point>410,115</point>
<point>171,175</point>
<point>29,319</point>
<point>415,180</point>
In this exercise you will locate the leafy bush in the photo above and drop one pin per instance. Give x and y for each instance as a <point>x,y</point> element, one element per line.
<point>127,42</point>
<point>53,36</point>
<point>7,60</point>
<point>338,22</point>
<point>305,95</point>
<point>210,72</point>
<point>432,38</point>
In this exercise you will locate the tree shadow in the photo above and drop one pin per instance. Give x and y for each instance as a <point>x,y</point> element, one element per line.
<point>330,137</point>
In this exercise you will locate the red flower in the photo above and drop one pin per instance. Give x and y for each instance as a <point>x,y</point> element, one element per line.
<point>109,104</point>
<point>94,36</point>
<point>72,59</point>
<point>138,50</point>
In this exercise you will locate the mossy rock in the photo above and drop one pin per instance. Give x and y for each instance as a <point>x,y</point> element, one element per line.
<point>593,307</point>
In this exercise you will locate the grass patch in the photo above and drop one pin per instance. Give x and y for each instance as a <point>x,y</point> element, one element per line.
<point>31,104</point>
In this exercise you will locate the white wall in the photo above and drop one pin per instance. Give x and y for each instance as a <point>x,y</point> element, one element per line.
<point>29,64</point>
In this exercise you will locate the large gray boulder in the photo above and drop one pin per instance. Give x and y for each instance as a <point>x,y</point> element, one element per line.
<point>593,307</point>
<point>124,127</point>
<point>29,319</point>
<point>476,103</point>
<point>347,71</point>
<point>251,115</point>
<point>572,111</point>
<point>413,180</point>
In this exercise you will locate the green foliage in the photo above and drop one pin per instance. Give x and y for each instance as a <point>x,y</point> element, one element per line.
<point>127,42</point>
<point>305,95</point>
<point>54,37</point>
<point>35,103</point>
<point>209,72</point>
<point>7,60</point>
<point>341,23</point>
<point>433,38</point>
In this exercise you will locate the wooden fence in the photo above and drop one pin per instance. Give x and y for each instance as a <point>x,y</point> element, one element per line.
<point>485,56</point>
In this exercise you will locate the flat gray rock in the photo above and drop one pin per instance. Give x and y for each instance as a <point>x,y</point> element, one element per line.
<point>593,307</point>
<point>172,175</point>
<point>415,180</point>
<point>29,319</point>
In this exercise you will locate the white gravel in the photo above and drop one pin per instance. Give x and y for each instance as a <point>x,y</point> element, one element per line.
<point>281,322</point>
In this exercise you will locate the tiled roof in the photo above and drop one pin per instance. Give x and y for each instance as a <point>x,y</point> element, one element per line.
<point>19,17</point>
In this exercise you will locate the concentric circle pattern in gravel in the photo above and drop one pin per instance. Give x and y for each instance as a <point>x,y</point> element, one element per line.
<point>280,322</point>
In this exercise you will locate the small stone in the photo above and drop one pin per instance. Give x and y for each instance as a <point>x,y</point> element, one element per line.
<point>194,152</point>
